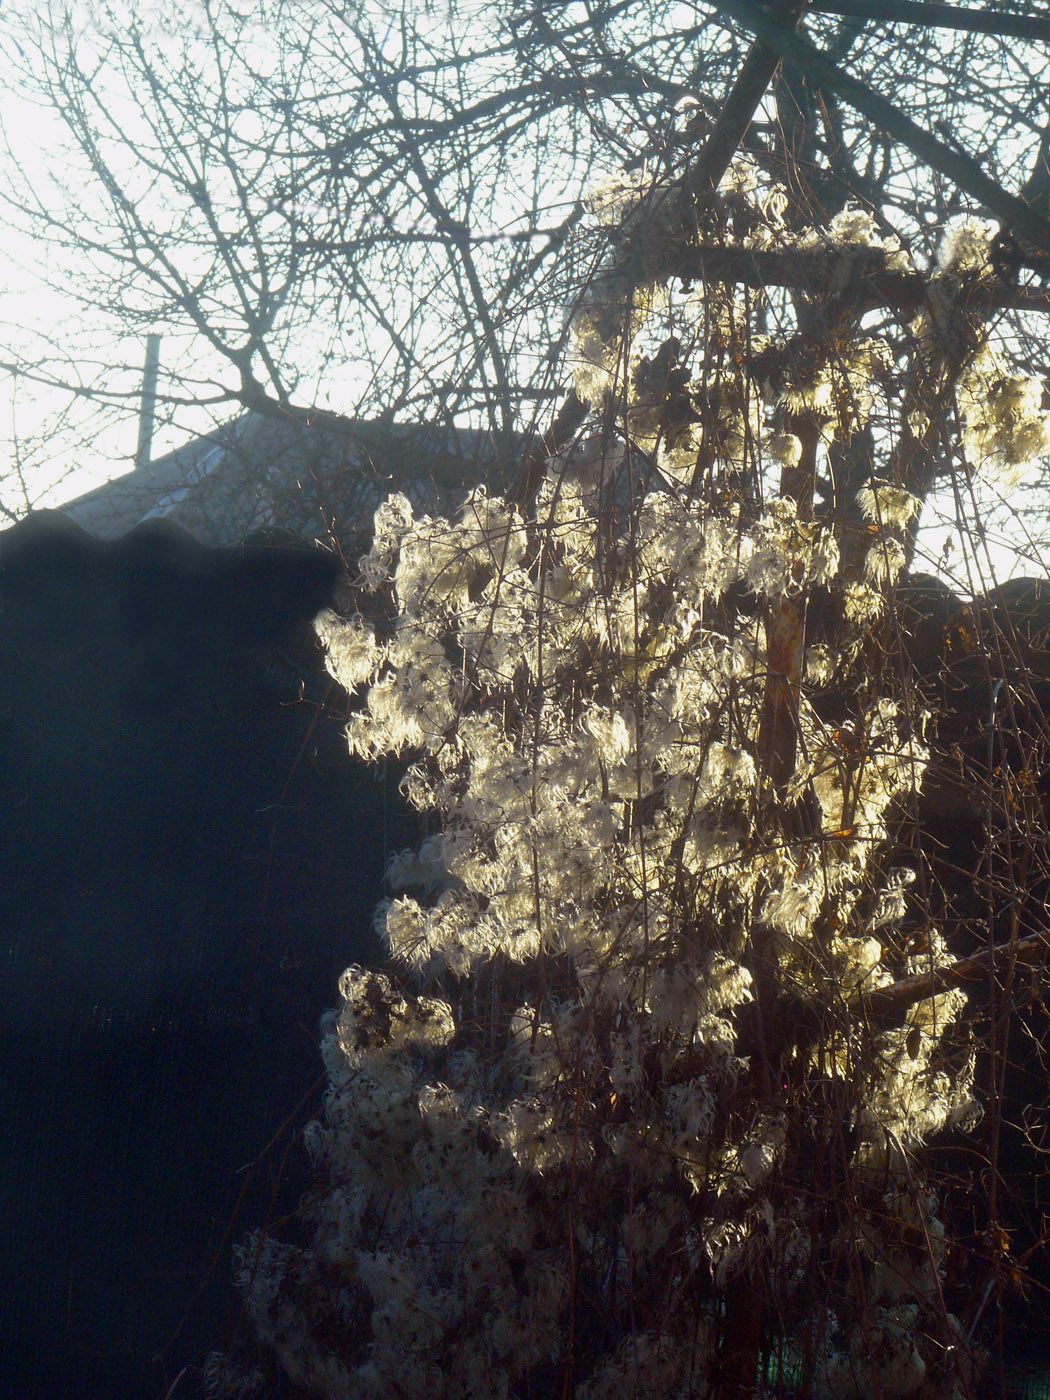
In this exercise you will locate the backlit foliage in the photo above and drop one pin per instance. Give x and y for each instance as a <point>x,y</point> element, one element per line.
<point>618,1087</point>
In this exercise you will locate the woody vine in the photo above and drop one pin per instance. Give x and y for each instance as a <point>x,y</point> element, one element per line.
<point>624,1114</point>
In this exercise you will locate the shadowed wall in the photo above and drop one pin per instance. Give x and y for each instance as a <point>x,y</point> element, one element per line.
<point>188,860</point>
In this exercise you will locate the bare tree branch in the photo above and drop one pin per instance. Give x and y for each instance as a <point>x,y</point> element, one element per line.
<point>963,171</point>
<point>888,1005</point>
<point>972,21</point>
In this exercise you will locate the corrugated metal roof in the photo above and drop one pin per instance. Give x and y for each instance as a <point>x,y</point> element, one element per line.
<point>258,472</point>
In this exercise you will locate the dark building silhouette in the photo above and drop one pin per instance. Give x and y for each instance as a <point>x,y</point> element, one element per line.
<point>188,859</point>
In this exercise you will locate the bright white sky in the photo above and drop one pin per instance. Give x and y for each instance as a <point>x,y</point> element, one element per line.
<point>29,305</point>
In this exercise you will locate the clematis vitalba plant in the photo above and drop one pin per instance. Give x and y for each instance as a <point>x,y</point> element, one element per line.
<point>619,1117</point>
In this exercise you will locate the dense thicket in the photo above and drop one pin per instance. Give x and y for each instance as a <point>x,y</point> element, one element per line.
<point>675,999</point>
<point>735,798</point>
